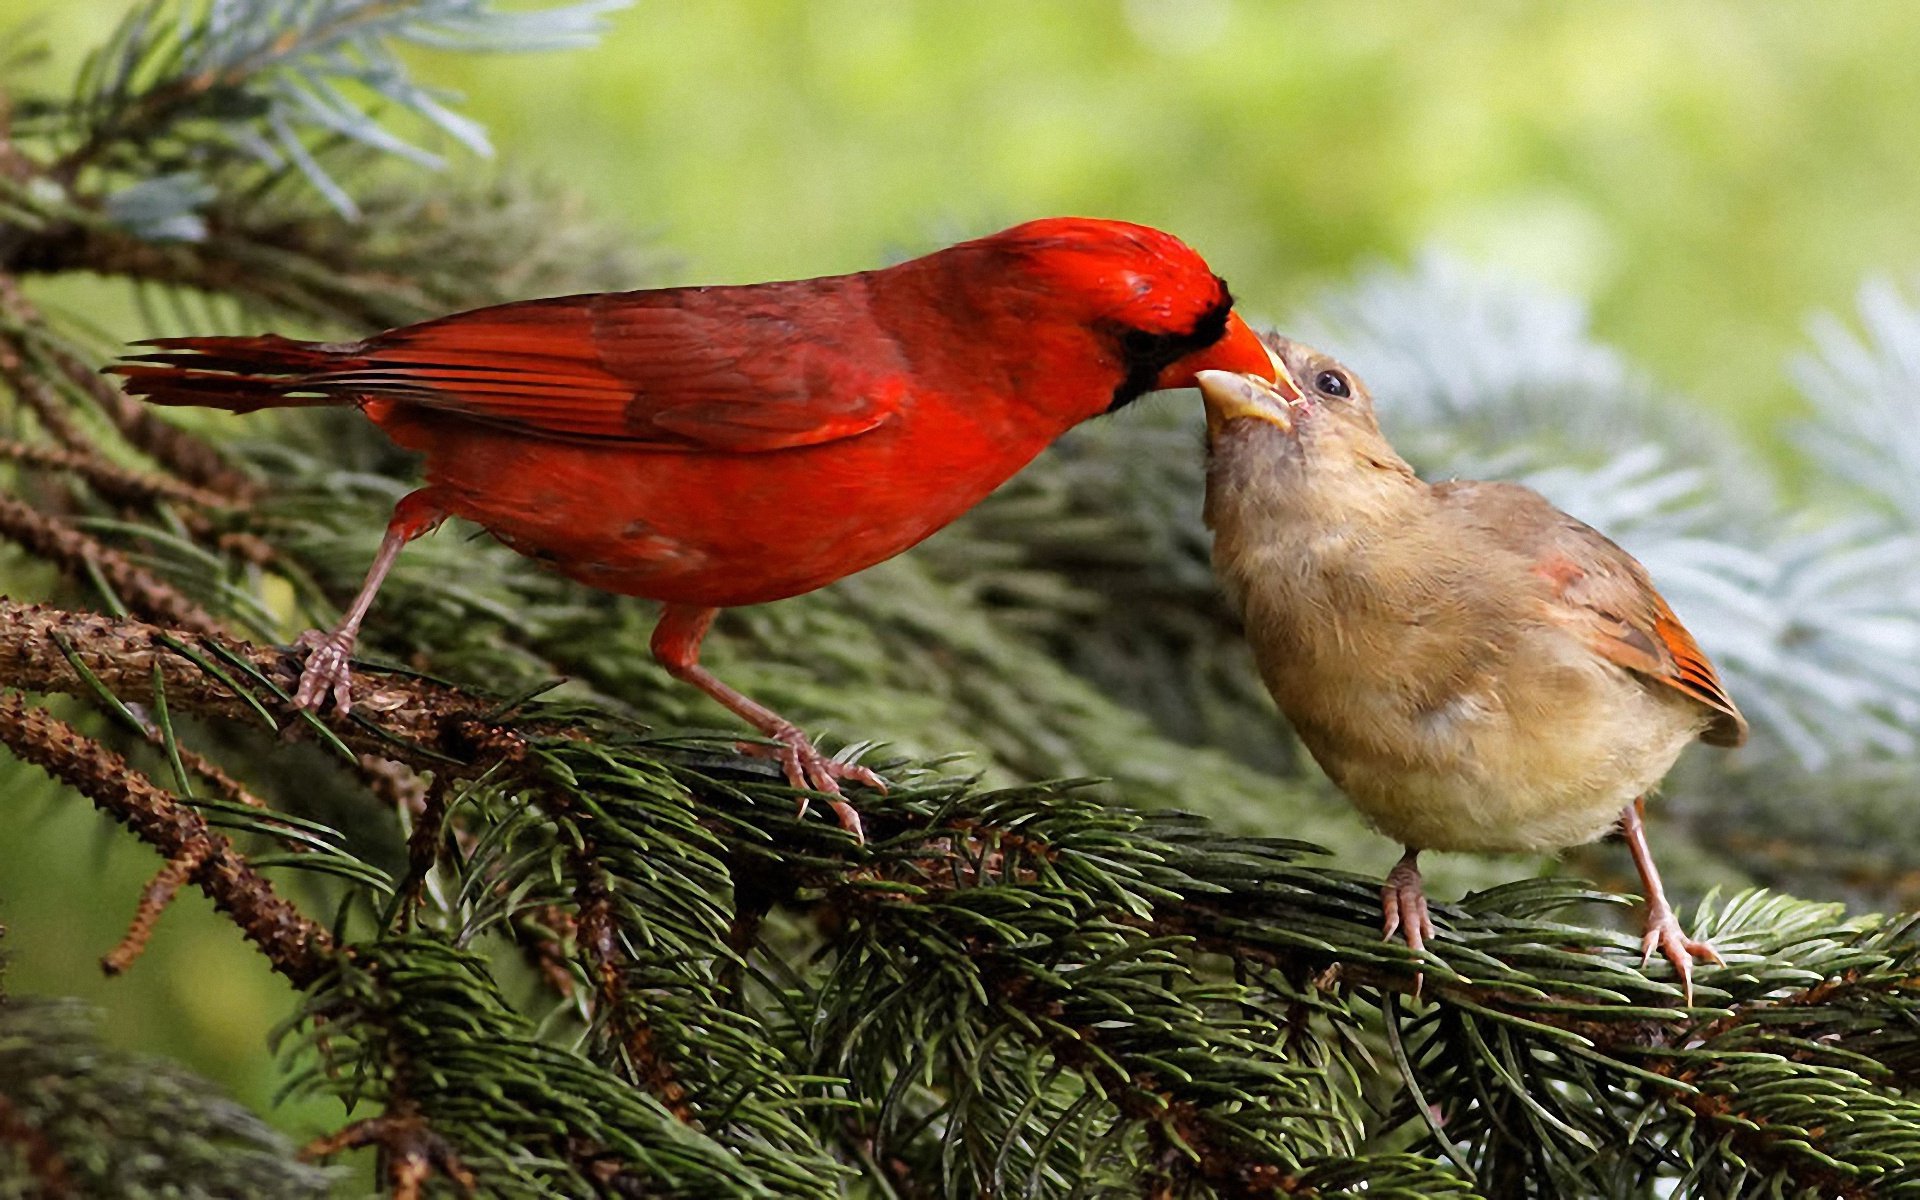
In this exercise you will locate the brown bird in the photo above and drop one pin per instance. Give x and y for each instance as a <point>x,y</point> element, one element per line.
<point>1474,668</point>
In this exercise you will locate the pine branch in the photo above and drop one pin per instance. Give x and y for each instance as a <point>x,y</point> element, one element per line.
<point>401,259</point>
<point>417,1017</point>
<point>213,147</point>
<point>57,368</point>
<point>188,83</point>
<point>110,481</point>
<point>80,1119</point>
<point>430,725</point>
<point>1028,990</point>
<point>1078,925</point>
<point>297,947</point>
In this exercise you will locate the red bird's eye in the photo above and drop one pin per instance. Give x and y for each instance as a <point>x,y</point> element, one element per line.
<point>1332,383</point>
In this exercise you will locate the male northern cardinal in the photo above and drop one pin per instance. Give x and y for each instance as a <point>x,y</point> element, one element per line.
<point>1474,668</point>
<point>714,446</point>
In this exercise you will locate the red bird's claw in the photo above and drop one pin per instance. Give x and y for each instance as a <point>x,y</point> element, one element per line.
<point>807,768</point>
<point>849,818</point>
<point>1665,935</point>
<point>327,672</point>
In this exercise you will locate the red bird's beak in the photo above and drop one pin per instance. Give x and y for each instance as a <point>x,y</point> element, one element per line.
<point>1239,350</point>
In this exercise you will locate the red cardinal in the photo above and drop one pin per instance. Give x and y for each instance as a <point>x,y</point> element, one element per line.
<point>714,446</point>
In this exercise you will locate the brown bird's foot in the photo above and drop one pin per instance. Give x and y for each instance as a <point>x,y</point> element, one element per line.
<point>1663,928</point>
<point>1403,902</point>
<point>1665,935</point>
<point>327,672</point>
<point>805,767</point>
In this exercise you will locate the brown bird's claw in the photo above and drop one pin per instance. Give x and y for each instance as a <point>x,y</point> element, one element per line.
<point>1663,928</point>
<point>1403,905</point>
<point>327,671</point>
<point>805,767</point>
<point>1664,934</point>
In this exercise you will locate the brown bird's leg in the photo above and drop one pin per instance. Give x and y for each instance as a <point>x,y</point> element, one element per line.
<point>1403,901</point>
<point>1663,928</point>
<point>676,646</point>
<point>327,671</point>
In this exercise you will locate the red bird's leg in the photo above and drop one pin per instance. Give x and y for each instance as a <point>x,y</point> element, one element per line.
<point>327,671</point>
<point>676,646</point>
<point>1663,928</point>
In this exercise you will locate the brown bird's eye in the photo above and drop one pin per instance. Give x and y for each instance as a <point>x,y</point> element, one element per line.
<point>1332,383</point>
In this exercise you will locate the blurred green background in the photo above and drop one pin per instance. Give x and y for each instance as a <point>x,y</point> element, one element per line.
<point>1706,174</point>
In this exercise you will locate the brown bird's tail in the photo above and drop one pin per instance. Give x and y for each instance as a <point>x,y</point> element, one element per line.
<point>241,374</point>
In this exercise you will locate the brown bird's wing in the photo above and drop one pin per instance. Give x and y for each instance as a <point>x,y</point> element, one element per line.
<point>1603,594</point>
<point>740,369</point>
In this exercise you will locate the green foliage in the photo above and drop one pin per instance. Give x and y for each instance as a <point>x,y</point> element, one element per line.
<point>185,90</point>
<point>415,1018</point>
<point>591,949</point>
<point>78,1119</point>
<point>1024,992</point>
<point>240,160</point>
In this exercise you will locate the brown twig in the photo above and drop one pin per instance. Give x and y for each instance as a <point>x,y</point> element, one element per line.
<point>113,482</point>
<point>428,805</point>
<point>272,267</point>
<point>39,397</point>
<point>76,552</point>
<point>193,459</point>
<point>428,725</point>
<point>411,1150</point>
<point>46,1170</point>
<point>159,893</point>
<point>542,935</point>
<point>187,456</point>
<point>297,947</point>
<point>29,385</point>
<point>598,935</point>
<point>129,488</point>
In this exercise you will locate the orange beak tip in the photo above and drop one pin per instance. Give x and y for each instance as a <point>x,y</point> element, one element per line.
<point>1241,349</point>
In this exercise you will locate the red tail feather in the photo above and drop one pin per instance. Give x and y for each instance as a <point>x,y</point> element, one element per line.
<point>238,374</point>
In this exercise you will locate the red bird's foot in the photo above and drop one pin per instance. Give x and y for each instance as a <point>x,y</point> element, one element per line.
<point>1665,935</point>
<point>327,672</point>
<point>805,767</point>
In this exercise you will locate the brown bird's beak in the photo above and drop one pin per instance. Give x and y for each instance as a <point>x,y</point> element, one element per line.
<point>1232,396</point>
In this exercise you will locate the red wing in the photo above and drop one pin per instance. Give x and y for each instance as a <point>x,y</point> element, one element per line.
<point>744,369</point>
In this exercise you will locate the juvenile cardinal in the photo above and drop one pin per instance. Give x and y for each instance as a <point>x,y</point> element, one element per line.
<point>713,446</point>
<point>1474,668</point>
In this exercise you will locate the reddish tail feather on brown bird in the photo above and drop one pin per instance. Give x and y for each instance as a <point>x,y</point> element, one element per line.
<point>1474,668</point>
<point>716,446</point>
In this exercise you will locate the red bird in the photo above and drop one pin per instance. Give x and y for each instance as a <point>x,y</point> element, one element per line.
<point>714,446</point>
